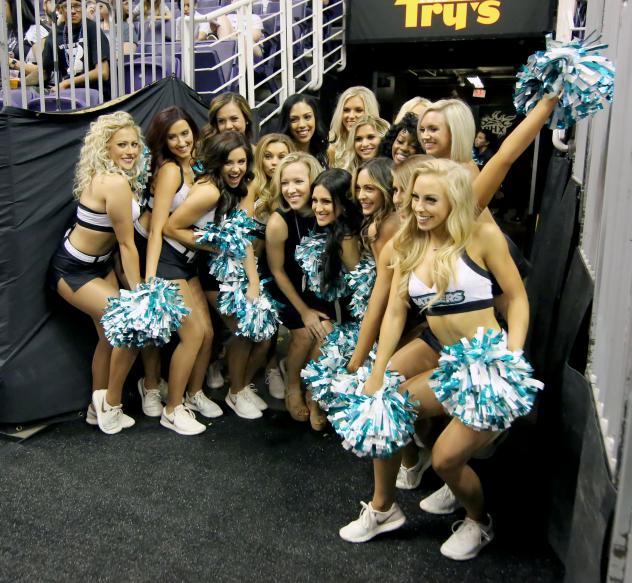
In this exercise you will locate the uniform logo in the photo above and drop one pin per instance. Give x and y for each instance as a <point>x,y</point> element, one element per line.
<point>450,298</point>
<point>456,14</point>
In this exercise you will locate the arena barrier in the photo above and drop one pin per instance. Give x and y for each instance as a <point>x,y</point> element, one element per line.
<point>263,49</point>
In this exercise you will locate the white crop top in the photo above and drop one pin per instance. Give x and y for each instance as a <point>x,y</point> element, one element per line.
<point>471,291</point>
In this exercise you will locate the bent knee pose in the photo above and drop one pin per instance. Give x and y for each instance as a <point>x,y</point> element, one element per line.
<point>107,184</point>
<point>270,150</point>
<point>444,263</point>
<point>339,219</point>
<point>306,316</point>
<point>221,187</point>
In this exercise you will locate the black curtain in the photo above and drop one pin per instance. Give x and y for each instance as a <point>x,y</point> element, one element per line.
<point>46,346</point>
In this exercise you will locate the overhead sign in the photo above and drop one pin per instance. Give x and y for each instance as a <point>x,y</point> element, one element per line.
<point>397,20</point>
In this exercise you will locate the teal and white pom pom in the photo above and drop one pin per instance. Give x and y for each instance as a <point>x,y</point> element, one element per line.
<point>258,320</point>
<point>309,254</point>
<point>147,315</point>
<point>483,384</point>
<point>361,281</point>
<point>375,425</point>
<point>585,78</point>
<point>336,351</point>
<point>229,241</point>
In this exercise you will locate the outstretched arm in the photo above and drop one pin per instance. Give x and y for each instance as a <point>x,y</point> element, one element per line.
<point>494,172</point>
<point>390,334</point>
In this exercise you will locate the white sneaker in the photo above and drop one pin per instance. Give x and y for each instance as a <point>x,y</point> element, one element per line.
<point>468,539</point>
<point>255,399</point>
<point>371,523</point>
<point>108,417</point>
<point>150,399</point>
<point>200,402</point>
<point>181,421</point>
<point>410,478</point>
<point>275,382</point>
<point>91,418</point>
<point>241,404</point>
<point>214,377</point>
<point>443,501</point>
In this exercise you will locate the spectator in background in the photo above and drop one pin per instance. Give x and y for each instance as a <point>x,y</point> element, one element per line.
<point>32,50</point>
<point>256,25</point>
<point>128,37</point>
<point>91,9</point>
<point>483,151</point>
<point>70,52</point>
<point>161,10</point>
<point>211,29</point>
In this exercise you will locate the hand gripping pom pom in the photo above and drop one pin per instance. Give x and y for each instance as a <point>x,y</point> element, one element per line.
<point>372,425</point>
<point>229,242</point>
<point>335,351</point>
<point>483,384</point>
<point>258,320</point>
<point>147,315</point>
<point>585,78</point>
<point>361,281</point>
<point>309,255</point>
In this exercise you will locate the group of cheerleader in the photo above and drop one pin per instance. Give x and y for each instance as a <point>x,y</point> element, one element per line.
<point>367,231</point>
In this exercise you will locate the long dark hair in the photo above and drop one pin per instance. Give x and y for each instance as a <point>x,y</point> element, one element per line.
<point>212,128</point>
<point>380,173</point>
<point>318,144</point>
<point>212,154</point>
<point>157,136</point>
<point>408,125</point>
<point>338,183</point>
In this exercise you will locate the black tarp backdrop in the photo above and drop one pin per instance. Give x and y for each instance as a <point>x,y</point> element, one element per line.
<point>382,21</point>
<point>44,355</point>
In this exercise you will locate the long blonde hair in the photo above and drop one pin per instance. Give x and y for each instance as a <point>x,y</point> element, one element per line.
<point>313,170</point>
<point>337,131</point>
<point>403,173</point>
<point>262,184</point>
<point>94,157</point>
<point>410,244</point>
<point>351,160</point>
<point>410,105</point>
<point>460,121</point>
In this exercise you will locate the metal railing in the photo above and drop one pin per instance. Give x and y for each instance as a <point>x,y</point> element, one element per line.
<point>263,49</point>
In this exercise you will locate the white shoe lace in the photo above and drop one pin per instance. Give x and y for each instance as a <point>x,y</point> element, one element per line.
<point>366,516</point>
<point>273,372</point>
<point>468,525</point>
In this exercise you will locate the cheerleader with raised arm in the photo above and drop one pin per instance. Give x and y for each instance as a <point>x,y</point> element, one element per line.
<point>444,263</point>
<point>109,180</point>
<point>220,189</point>
<point>421,353</point>
<point>354,103</point>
